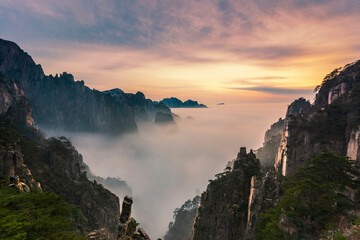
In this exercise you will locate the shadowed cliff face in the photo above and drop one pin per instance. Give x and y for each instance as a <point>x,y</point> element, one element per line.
<point>61,102</point>
<point>330,125</point>
<point>337,83</point>
<point>54,162</point>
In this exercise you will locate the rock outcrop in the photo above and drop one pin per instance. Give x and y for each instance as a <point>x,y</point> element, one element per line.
<point>330,125</point>
<point>223,210</point>
<point>60,101</point>
<point>125,216</point>
<point>299,106</point>
<point>268,151</point>
<point>101,234</point>
<point>275,141</point>
<point>127,225</point>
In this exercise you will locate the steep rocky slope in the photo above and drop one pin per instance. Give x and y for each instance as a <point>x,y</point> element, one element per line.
<point>223,209</point>
<point>61,102</point>
<point>53,163</point>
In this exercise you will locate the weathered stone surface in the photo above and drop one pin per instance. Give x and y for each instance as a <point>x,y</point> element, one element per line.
<point>353,145</point>
<point>281,156</point>
<point>264,194</point>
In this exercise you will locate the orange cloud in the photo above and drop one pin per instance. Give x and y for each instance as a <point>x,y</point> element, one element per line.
<point>189,48</point>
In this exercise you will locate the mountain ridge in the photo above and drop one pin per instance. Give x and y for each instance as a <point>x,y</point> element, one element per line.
<point>174,102</point>
<point>60,102</point>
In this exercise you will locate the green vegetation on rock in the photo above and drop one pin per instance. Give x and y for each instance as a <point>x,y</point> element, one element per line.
<point>313,198</point>
<point>34,215</point>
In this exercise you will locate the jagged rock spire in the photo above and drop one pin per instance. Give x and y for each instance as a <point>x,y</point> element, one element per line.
<point>125,216</point>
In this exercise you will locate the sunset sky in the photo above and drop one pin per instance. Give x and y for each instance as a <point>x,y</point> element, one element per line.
<point>209,50</point>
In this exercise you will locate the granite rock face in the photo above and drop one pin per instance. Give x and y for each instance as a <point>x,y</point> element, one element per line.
<point>60,101</point>
<point>224,205</point>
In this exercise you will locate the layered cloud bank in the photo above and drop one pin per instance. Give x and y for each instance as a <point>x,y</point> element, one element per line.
<point>166,166</point>
<point>179,48</point>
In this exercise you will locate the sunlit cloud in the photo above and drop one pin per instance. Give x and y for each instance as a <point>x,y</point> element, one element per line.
<point>277,90</point>
<point>134,45</point>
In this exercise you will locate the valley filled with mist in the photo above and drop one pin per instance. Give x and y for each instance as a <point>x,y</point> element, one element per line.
<point>167,165</point>
<point>180,120</point>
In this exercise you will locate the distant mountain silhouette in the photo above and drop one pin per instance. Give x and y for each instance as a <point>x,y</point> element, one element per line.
<point>177,103</point>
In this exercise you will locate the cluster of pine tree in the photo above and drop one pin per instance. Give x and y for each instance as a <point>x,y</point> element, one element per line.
<point>313,200</point>
<point>34,215</point>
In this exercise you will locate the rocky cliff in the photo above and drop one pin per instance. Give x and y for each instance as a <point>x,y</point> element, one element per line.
<point>330,125</point>
<point>223,209</point>
<point>52,163</point>
<point>60,101</point>
<point>267,152</point>
<point>277,134</point>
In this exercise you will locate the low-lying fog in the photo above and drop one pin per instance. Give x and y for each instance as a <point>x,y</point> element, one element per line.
<point>165,166</point>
